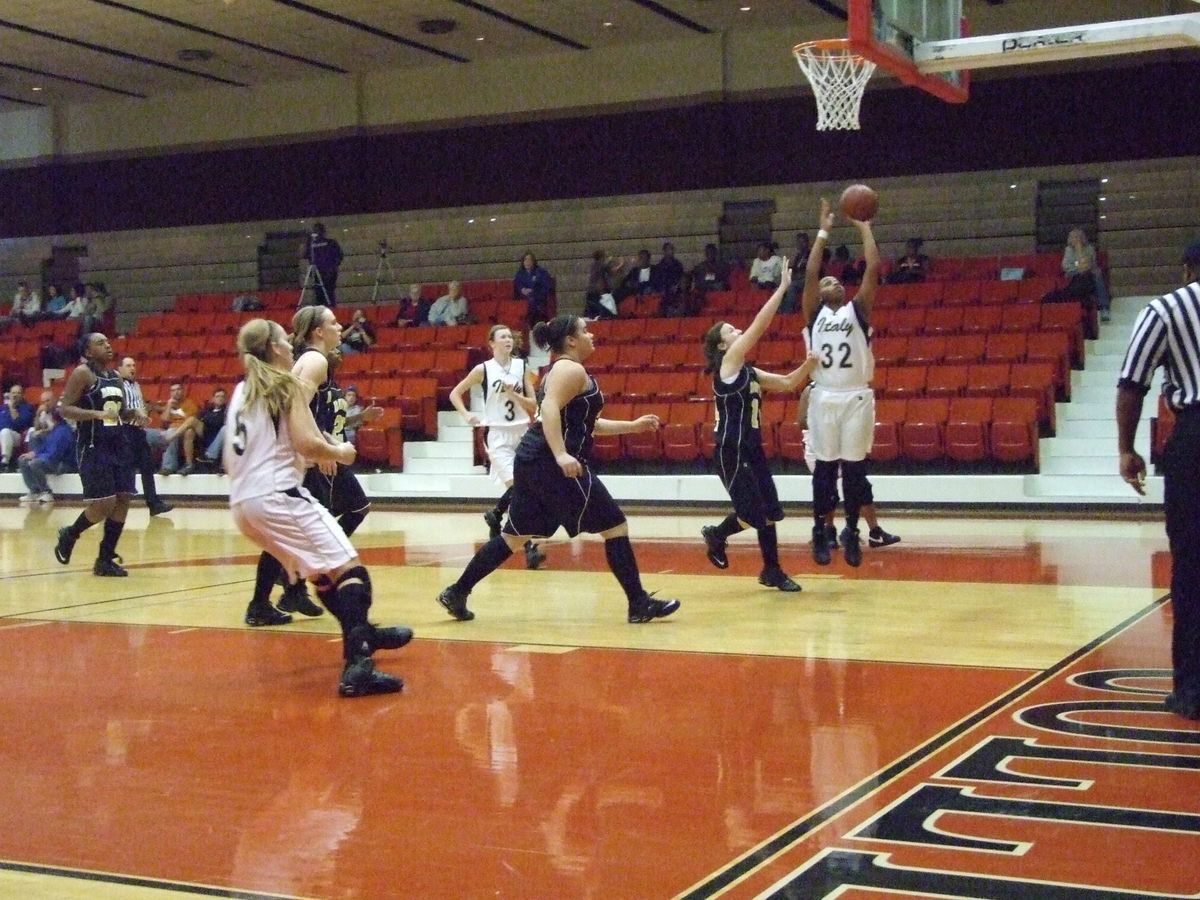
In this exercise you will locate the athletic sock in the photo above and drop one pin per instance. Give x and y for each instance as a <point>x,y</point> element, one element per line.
<point>768,543</point>
<point>112,534</point>
<point>269,569</point>
<point>486,560</point>
<point>619,553</point>
<point>80,525</point>
<point>502,503</point>
<point>729,526</point>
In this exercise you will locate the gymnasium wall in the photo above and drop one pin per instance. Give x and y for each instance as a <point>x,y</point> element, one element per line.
<point>696,143</point>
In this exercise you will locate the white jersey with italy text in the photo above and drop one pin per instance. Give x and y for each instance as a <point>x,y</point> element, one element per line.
<point>839,338</point>
<point>259,455</point>
<point>498,408</point>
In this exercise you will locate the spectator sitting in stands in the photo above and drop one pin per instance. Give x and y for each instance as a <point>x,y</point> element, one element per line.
<point>450,308</point>
<point>599,302</point>
<point>669,280</point>
<point>175,413</point>
<point>27,304</point>
<point>54,454</point>
<point>767,268</point>
<point>16,417</point>
<point>353,413</point>
<point>56,303</point>
<point>359,336</point>
<point>638,280</point>
<point>849,271</point>
<point>1084,277</point>
<point>534,285</point>
<point>913,266</point>
<point>77,304</point>
<point>414,309</point>
<point>606,266</point>
<point>710,274</point>
<point>799,266</point>
<point>209,426</point>
<point>43,420</point>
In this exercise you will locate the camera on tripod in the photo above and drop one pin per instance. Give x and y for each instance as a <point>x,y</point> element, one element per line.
<point>383,247</point>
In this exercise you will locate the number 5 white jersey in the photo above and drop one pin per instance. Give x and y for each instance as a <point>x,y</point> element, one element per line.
<point>498,408</point>
<point>839,338</point>
<point>258,452</point>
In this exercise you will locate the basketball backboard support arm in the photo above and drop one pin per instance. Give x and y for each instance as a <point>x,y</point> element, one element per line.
<point>863,35</point>
<point>1047,45</point>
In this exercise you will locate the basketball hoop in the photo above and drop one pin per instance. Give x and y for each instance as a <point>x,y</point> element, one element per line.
<point>838,76</point>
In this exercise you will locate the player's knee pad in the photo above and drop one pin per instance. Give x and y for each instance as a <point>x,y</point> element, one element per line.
<point>824,486</point>
<point>855,484</point>
<point>353,577</point>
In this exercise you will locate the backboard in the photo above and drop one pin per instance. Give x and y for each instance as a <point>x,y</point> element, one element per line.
<point>890,33</point>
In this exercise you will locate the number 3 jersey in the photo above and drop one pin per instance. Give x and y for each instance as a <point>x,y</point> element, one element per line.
<point>839,337</point>
<point>259,455</point>
<point>498,408</point>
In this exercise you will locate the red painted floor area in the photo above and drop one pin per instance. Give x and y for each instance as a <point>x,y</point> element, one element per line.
<point>225,758</point>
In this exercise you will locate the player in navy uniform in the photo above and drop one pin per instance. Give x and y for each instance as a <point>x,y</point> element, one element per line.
<point>739,458</point>
<point>269,436</point>
<point>94,399</point>
<point>841,413</point>
<point>508,408</point>
<point>553,485</point>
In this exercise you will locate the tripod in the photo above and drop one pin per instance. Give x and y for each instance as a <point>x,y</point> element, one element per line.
<point>313,277</point>
<point>384,263</point>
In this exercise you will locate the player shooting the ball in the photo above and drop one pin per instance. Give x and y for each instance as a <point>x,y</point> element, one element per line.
<point>841,414</point>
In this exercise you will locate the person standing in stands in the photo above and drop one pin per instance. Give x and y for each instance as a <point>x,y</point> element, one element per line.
<point>94,398</point>
<point>325,255</point>
<point>553,486</point>
<point>534,285</point>
<point>135,435</point>
<point>739,457</point>
<point>1167,334</point>
<point>508,408</point>
<point>841,412</point>
<point>273,434</point>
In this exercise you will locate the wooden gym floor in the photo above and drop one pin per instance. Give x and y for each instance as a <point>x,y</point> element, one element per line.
<point>975,712</point>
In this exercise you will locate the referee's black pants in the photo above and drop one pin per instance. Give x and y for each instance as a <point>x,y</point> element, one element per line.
<point>143,461</point>
<point>1182,503</point>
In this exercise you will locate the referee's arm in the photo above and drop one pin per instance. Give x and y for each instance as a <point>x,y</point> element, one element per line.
<point>1141,359</point>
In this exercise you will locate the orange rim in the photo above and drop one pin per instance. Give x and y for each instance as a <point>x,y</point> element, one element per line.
<point>829,45</point>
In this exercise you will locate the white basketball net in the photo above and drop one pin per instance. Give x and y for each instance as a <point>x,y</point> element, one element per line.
<point>838,77</point>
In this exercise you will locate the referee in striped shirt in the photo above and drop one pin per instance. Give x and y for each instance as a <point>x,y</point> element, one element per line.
<point>1167,334</point>
<point>135,436</point>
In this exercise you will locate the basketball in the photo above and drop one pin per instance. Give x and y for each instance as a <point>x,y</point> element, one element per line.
<point>859,202</point>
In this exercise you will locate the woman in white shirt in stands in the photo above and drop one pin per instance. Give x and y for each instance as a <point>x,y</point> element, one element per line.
<point>767,268</point>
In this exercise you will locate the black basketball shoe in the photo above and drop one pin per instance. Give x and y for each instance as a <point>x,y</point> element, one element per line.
<point>646,608</point>
<point>454,602</point>
<point>820,545</point>
<point>109,567</point>
<point>877,537</point>
<point>831,535</point>
<point>493,523</point>
<point>714,547</point>
<point>267,615</point>
<point>66,543</point>
<point>777,578</point>
<point>366,639</point>
<point>852,546</point>
<point>534,557</point>
<point>359,679</point>
<point>295,599</point>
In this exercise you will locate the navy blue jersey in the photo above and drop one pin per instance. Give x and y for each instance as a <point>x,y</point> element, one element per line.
<point>739,405</point>
<point>578,419</point>
<point>324,401</point>
<point>108,393</point>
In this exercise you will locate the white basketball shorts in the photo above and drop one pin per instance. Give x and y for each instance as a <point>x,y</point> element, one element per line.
<point>841,424</point>
<point>297,531</point>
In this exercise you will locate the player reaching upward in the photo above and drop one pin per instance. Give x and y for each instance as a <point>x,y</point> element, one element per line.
<point>841,414</point>
<point>739,456</point>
